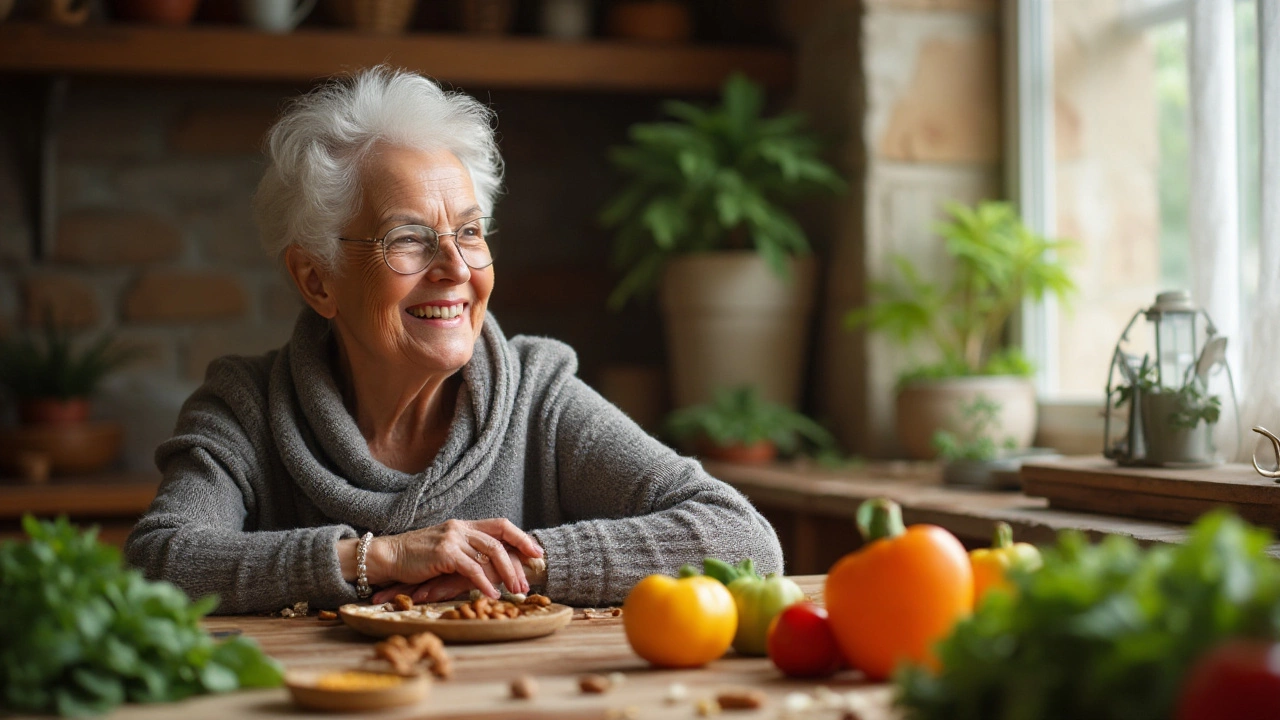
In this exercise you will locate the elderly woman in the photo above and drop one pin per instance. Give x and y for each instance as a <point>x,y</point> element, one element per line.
<point>399,440</point>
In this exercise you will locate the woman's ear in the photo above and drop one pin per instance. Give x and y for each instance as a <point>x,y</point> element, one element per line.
<point>313,281</point>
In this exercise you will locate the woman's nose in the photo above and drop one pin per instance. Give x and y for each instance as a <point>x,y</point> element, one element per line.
<point>448,263</point>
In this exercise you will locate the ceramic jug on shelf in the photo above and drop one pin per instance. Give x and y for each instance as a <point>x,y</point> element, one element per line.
<point>275,16</point>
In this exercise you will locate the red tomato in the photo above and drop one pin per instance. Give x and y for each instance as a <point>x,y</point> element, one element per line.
<point>801,643</point>
<point>1238,680</point>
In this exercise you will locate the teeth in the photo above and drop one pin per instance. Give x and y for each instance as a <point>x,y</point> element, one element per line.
<point>437,311</point>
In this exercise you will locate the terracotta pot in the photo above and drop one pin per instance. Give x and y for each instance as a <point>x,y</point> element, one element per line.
<point>730,321</point>
<point>927,406</point>
<point>65,12</point>
<point>35,411</point>
<point>157,12</point>
<point>651,21</point>
<point>71,448</point>
<point>759,453</point>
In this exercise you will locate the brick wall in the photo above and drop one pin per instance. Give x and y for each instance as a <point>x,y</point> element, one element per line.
<point>155,240</point>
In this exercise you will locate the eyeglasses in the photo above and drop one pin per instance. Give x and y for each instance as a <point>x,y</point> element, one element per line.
<point>409,249</point>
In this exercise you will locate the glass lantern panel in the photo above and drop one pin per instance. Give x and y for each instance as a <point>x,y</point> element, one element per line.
<point>1176,347</point>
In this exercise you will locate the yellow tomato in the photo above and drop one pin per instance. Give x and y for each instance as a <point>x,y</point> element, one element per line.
<point>679,623</point>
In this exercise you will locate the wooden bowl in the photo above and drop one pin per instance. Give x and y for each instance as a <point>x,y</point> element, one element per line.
<point>306,693</point>
<point>72,448</point>
<point>372,620</point>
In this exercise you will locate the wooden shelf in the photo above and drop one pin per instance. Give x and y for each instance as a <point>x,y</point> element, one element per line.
<point>464,60</point>
<point>105,495</point>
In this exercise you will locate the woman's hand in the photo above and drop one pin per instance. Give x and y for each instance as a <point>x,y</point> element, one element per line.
<point>476,550</point>
<point>447,587</point>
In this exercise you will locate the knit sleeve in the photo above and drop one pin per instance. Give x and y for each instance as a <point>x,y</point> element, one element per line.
<point>636,506</point>
<point>198,531</point>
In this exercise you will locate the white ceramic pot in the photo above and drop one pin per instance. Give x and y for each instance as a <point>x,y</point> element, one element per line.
<point>927,406</point>
<point>730,320</point>
<point>1169,445</point>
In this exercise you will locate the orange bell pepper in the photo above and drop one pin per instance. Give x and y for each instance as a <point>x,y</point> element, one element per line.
<point>900,594</point>
<point>681,623</point>
<point>991,566</point>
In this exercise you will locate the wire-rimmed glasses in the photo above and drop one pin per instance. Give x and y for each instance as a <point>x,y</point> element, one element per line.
<point>409,249</point>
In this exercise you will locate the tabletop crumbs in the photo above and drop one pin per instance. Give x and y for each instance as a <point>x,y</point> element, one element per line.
<point>676,693</point>
<point>741,699</point>
<point>601,613</point>
<point>706,707</point>
<point>524,688</point>
<point>630,712</point>
<point>594,684</point>
<point>299,609</point>
<point>327,615</point>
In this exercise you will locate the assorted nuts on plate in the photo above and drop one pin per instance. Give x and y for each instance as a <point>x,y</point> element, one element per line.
<point>483,608</point>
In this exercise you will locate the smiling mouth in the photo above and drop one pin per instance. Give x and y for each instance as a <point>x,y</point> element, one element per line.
<point>443,312</point>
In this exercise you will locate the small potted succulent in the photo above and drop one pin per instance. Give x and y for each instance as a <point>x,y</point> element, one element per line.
<point>738,425</point>
<point>52,383</point>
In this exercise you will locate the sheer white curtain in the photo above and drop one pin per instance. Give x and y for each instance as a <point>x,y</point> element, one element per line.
<point>1260,402</point>
<point>1254,331</point>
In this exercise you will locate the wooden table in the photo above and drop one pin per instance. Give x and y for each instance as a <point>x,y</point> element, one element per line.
<point>479,688</point>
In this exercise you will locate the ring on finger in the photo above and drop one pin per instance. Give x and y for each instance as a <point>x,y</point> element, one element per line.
<point>481,557</point>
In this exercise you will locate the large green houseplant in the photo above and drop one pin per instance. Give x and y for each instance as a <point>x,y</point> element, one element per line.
<point>704,216</point>
<point>997,263</point>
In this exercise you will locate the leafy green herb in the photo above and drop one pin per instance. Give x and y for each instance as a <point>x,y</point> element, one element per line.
<point>999,263</point>
<point>48,365</point>
<point>81,634</point>
<point>712,179</point>
<point>739,416</point>
<point>1105,631</point>
<point>975,442</point>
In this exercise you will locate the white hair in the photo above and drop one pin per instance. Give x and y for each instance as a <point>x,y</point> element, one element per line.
<point>311,188</point>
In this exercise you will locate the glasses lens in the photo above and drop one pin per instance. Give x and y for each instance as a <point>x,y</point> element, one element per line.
<point>475,242</point>
<point>408,249</point>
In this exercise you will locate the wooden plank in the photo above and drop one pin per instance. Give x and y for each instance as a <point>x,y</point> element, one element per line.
<point>482,674</point>
<point>1231,483</point>
<point>490,62</point>
<point>107,495</point>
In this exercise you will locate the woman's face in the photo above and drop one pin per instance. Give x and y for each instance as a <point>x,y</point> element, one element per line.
<point>386,316</point>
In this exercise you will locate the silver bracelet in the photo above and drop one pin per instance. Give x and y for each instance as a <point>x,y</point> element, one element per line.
<point>362,571</point>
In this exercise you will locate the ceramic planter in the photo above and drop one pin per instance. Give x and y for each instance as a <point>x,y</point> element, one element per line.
<point>67,448</point>
<point>759,453</point>
<point>38,411</point>
<point>1168,445</point>
<point>731,321</point>
<point>926,406</point>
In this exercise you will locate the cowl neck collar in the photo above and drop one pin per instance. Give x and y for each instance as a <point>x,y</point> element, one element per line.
<point>322,448</point>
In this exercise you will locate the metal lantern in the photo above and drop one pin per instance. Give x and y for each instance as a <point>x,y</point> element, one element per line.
<point>1153,383</point>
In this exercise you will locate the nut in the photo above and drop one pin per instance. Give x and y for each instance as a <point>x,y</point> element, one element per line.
<point>594,684</point>
<point>524,688</point>
<point>742,699</point>
<point>402,602</point>
<point>327,615</point>
<point>451,614</point>
<point>706,707</point>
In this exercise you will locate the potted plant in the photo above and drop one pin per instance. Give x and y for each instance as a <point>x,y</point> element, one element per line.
<point>702,216</point>
<point>978,456</point>
<point>52,383</point>
<point>998,263</point>
<point>740,426</point>
<point>1177,421</point>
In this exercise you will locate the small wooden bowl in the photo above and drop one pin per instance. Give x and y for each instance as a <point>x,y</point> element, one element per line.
<point>302,686</point>
<point>72,448</point>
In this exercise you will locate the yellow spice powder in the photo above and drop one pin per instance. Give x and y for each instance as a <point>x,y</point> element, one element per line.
<point>357,680</point>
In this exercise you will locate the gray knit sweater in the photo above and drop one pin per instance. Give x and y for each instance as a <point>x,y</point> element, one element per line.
<point>267,470</point>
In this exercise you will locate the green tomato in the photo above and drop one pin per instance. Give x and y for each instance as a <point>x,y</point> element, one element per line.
<point>759,601</point>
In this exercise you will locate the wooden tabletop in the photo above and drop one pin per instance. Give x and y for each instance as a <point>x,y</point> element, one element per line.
<point>479,689</point>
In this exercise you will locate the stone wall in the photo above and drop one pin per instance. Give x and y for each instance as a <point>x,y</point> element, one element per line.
<point>914,89</point>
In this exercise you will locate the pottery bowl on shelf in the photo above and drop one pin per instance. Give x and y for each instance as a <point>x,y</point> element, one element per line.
<point>157,12</point>
<point>71,448</point>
